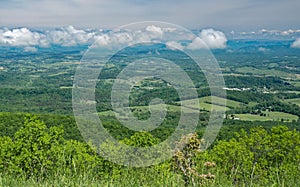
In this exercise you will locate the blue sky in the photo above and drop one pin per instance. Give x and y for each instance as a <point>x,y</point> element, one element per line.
<point>240,15</point>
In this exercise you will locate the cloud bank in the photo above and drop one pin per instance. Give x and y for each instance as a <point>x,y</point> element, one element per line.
<point>30,39</point>
<point>22,37</point>
<point>69,36</point>
<point>210,38</point>
<point>280,32</point>
<point>286,34</point>
<point>296,43</point>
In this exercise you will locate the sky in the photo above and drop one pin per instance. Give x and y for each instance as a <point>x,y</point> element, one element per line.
<point>227,15</point>
<point>41,23</point>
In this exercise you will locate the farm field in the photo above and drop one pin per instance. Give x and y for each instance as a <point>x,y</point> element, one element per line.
<point>294,101</point>
<point>270,116</point>
<point>270,72</point>
<point>295,83</point>
<point>206,103</point>
<point>145,109</point>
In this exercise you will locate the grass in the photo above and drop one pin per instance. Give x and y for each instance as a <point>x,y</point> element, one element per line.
<point>220,101</point>
<point>294,101</point>
<point>252,104</point>
<point>216,103</point>
<point>135,178</point>
<point>270,116</point>
<point>291,91</point>
<point>206,103</point>
<point>144,109</point>
<point>295,83</point>
<point>59,73</point>
<point>270,72</point>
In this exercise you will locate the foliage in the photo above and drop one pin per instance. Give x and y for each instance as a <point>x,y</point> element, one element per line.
<point>260,156</point>
<point>257,156</point>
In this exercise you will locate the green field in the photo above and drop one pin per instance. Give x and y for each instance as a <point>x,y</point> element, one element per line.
<point>294,101</point>
<point>220,101</point>
<point>207,103</point>
<point>270,72</point>
<point>189,106</point>
<point>295,83</point>
<point>270,116</point>
<point>145,109</point>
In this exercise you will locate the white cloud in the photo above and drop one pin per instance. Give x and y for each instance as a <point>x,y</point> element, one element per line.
<point>150,33</point>
<point>22,37</point>
<point>288,32</point>
<point>262,49</point>
<point>197,43</point>
<point>280,32</point>
<point>30,49</point>
<point>70,36</point>
<point>213,39</point>
<point>174,45</point>
<point>157,31</point>
<point>127,37</point>
<point>296,43</point>
<point>210,38</point>
<point>65,36</point>
<point>114,39</point>
<point>103,40</point>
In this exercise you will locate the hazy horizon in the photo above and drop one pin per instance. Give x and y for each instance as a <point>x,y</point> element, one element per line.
<point>194,14</point>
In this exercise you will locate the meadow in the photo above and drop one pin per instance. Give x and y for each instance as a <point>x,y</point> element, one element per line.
<point>269,116</point>
<point>294,101</point>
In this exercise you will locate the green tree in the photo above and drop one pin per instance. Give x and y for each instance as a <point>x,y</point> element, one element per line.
<point>34,147</point>
<point>141,139</point>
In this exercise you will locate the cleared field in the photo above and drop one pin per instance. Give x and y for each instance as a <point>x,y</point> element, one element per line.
<point>207,103</point>
<point>270,116</point>
<point>171,108</point>
<point>143,109</point>
<point>59,73</point>
<point>193,103</point>
<point>290,91</point>
<point>297,84</point>
<point>220,101</point>
<point>295,101</point>
<point>271,72</point>
<point>252,104</point>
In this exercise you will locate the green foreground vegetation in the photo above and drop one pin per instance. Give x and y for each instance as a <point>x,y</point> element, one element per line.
<point>37,155</point>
